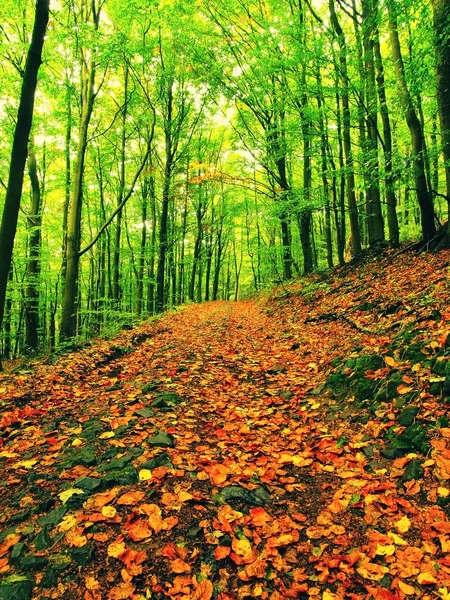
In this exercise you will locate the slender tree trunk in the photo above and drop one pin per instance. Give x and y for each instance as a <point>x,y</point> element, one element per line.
<point>424,196</point>
<point>218,260</point>
<point>143,246</point>
<point>324,169</point>
<point>166,197</point>
<point>120,195</point>
<point>70,291</point>
<point>372,177</point>
<point>441,15</point>
<point>19,148</point>
<point>199,212</point>
<point>305,216</point>
<point>391,200</point>
<point>34,222</point>
<point>181,286</point>
<point>339,199</point>
<point>347,143</point>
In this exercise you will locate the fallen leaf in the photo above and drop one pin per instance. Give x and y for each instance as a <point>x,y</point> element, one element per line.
<point>204,590</point>
<point>179,566</point>
<point>403,524</point>
<point>145,475</point>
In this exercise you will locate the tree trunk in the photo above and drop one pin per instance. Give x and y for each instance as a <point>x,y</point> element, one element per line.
<point>142,249</point>
<point>120,195</point>
<point>166,193</point>
<point>324,170</point>
<point>70,292</point>
<point>347,143</point>
<point>424,196</point>
<point>441,14</point>
<point>73,241</point>
<point>19,148</point>
<point>34,222</point>
<point>375,223</point>
<point>391,200</point>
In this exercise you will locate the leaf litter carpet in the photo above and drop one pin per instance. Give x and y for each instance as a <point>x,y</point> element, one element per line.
<point>202,456</point>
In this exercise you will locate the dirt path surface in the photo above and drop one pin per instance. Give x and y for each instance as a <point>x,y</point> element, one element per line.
<point>200,457</point>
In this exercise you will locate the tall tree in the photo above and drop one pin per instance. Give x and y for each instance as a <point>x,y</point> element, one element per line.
<point>424,196</point>
<point>19,149</point>
<point>34,222</point>
<point>441,14</point>
<point>89,13</point>
<point>346,123</point>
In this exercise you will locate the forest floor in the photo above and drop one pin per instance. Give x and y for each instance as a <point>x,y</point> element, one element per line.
<point>292,446</point>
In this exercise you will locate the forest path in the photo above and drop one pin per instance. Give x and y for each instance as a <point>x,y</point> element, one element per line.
<point>195,446</point>
<point>199,456</point>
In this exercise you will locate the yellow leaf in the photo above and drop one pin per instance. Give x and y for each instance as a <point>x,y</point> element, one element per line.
<point>8,454</point>
<point>115,549</point>
<point>387,550</point>
<point>25,464</point>
<point>67,523</point>
<point>106,435</point>
<point>109,511</point>
<point>242,548</point>
<point>77,442</point>
<point>426,579</point>
<point>327,595</point>
<point>390,361</point>
<point>403,524</point>
<point>75,538</point>
<point>407,589</point>
<point>145,475</point>
<point>397,539</point>
<point>443,492</point>
<point>443,593</point>
<point>91,583</point>
<point>445,543</point>
<point>64,496</point>
<point>404,389</point>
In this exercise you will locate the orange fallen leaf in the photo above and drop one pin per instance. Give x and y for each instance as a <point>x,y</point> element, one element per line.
<point>222,552</point>
<point>179,566</point>
<point>91,583</point>
<point>204,590</point>
<point>426,579</point>
<point>390,361</point>
<point>259,517</point>
<point>123,591</point>
<point>217,473</point>
<point>130,498</point>
<point>407,589</point>
<point>9,541</point>
<point>138,530</point>
<point>75,538</point>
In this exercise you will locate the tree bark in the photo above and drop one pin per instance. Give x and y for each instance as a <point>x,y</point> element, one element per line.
<point>73,241</point>
<point>346,122</point>
<point>19,148</point>
<point>375,223</point>
<point>424,196</point>
<point>34,222</point>
<point>391,200</point>
<point>441,15</point>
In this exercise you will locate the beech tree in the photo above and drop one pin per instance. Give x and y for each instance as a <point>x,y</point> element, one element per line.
<point>20,147</point>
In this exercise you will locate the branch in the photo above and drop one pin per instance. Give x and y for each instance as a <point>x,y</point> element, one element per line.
<point>121,205</point>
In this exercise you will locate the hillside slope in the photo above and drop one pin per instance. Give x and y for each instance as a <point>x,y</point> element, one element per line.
<point>295,446</point>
